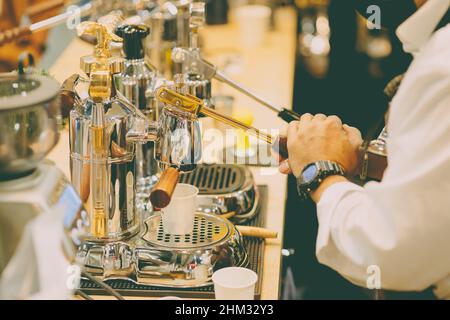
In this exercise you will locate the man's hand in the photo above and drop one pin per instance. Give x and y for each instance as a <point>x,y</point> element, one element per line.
<point>319,137</point>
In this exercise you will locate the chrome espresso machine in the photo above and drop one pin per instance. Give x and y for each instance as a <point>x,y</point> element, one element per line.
<point>130,110</point>
<point>135,132</point>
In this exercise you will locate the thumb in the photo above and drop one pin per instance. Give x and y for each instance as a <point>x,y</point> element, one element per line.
<point>284,167</point>
<point>354,135</point>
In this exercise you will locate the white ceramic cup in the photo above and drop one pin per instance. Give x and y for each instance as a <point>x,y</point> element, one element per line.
<point>234,283</point>
<point>178,216</point>
<point>253,21</point>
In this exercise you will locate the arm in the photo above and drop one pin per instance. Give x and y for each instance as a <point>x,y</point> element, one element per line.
<point>400,225</point>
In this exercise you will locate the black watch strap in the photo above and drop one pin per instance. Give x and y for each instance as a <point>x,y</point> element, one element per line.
<point>325,169</point>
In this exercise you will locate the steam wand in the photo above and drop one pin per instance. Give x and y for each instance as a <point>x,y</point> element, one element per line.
<point>14,34</point>
<point>211,71</point>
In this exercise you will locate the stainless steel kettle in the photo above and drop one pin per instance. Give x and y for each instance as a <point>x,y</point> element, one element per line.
<point>29,119</point>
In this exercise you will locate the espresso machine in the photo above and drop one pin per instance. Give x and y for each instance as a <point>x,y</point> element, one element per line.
<point>102,148</point>
<point>138,83</point>
<point>130,108</point>
<point>196,83</point>
<point>169,23</point>
<point>105,129</point>
<point>180,21</point>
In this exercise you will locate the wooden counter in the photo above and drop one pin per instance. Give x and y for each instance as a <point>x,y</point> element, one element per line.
<point>269,71</point>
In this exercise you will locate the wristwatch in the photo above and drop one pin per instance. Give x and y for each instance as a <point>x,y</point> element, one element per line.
<point>313,175</point>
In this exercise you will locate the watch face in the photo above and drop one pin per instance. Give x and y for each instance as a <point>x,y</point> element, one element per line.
<point>310,173</point>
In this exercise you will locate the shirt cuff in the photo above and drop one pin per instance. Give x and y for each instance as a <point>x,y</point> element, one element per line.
<point>326,207</point>
<point>331,195</point>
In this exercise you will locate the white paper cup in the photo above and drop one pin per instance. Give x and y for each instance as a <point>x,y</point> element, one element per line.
<point>170,298</point>
<point>253,21</point>
<point>178,216</point>
<point>234,283</point>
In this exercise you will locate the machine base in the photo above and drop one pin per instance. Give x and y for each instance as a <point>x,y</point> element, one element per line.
<point>129,287</point>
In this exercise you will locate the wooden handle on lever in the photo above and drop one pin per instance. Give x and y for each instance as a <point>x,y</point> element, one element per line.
<point>280,146</point>
<point>257,232</point>
<point>14,34</point>
<point>162,192</point>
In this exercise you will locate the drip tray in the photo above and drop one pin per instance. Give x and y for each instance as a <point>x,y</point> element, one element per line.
<point>255,250</point>
<point>208,230</point>
<point>216,179</point>
<point>225,188</point>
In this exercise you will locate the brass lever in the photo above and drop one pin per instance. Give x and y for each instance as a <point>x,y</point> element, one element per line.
<point>194,105</point>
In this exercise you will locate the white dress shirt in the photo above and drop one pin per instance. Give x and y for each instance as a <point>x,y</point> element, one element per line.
<point>402,224</point>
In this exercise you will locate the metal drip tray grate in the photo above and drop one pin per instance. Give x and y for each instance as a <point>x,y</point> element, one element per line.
<point>213,179</point>
<point>208,230</point>
<point>254,247</point>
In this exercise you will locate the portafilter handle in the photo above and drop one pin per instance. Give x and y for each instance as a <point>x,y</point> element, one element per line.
<point>162,192</point>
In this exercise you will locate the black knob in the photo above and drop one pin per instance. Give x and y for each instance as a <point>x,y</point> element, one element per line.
<point>132,36</point>
<point>288,115</point>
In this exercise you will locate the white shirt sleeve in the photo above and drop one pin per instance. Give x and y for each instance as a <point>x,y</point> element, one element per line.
<point>402,224</point>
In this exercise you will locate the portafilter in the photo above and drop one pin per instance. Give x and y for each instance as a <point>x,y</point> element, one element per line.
<point>176,102</point>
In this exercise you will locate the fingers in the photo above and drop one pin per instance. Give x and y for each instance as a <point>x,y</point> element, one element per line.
<point>284,167</point>
<point>352,131</point>
<point>319,117</point>
<point>292,129</point>
<point>305,119</point>
<point>334,120</point>
<point>354,135</point>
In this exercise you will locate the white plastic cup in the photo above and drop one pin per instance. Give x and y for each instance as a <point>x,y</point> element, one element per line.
<point>253,21</point>
<point>178,216</point>
<point>234,283</point>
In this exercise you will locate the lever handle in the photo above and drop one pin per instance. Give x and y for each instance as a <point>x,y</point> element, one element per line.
<point>257,232</point>
<point>162,192</point>
<point>14,34</point>
<point>288,115</point>
<point>68,95</point>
